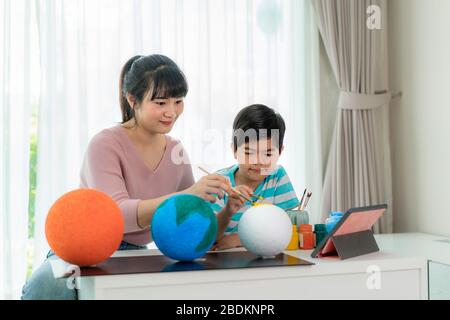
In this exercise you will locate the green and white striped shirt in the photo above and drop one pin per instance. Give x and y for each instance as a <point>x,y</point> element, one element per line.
<point>276,189</point>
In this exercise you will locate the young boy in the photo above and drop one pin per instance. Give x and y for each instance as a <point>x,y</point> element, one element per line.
<point>258,133</point>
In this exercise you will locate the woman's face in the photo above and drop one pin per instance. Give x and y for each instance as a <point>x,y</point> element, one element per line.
<point>159,115</point>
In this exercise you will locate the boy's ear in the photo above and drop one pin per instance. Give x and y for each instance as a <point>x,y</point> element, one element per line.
<point>281,150</point>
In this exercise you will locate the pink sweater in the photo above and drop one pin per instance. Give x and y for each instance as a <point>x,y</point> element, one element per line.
<point>113,165</point>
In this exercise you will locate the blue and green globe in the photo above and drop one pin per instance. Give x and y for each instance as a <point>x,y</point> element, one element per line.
<point>184,227</point>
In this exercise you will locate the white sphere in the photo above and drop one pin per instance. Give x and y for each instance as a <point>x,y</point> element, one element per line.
<point>265,230</point>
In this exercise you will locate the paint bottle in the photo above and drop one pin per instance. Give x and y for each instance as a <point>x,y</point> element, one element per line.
<point>320,232</point>
<point>332,220</point>
<point>306,237</point>
<point>293,244</point>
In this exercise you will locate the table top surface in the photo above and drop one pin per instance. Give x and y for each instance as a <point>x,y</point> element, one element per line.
<point>432,247</point>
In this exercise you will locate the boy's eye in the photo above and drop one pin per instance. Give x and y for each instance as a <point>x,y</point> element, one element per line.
<point>268,154</point>
<point>179,102</point>
<point>160,103</point>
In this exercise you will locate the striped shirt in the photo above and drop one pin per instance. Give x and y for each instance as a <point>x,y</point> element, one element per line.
<point>276,189</point>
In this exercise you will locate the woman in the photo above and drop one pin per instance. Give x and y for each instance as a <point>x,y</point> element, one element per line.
<point>136,162</point>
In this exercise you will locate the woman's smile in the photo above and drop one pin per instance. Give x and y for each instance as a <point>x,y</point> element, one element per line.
<point>167,123</point>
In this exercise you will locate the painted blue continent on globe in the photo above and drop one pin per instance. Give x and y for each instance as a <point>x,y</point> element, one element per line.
<point>184,227</point>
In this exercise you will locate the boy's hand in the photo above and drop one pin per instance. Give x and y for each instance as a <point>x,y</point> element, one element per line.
<point>227,242</point>
<point>235,201</point>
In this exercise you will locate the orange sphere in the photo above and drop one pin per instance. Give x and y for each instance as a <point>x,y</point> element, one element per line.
<point>84,227</point>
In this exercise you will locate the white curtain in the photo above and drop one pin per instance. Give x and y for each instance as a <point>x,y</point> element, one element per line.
<point>359,165</point>
<point>17,65</point>
<point>233,52</point>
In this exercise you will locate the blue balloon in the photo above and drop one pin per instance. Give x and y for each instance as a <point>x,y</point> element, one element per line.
<point>184,227</point>
<point>269,16</point>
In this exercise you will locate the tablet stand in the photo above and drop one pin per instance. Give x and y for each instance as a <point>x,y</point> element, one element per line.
<point>355,244</point>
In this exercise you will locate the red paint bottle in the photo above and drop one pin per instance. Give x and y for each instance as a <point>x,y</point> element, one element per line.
<point>306,237</point>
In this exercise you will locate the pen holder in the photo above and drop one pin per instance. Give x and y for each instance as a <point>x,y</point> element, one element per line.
<point>298,217</point>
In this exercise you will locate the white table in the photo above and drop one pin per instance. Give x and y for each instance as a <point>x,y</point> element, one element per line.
<point>402,264</point>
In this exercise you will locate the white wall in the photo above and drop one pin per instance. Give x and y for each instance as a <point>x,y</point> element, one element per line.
<point>419,49</point>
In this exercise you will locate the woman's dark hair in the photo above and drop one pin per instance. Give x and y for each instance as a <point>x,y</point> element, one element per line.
<point>260,119</point>
<point>153,76</point>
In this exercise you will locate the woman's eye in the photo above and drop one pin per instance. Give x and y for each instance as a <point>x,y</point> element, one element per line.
<point>160,103</point>
<point>268,154</point>
<point>179,102</point>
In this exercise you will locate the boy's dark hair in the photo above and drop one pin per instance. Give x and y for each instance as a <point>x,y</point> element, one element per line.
<point>156,75</point>
<point>260,119</point>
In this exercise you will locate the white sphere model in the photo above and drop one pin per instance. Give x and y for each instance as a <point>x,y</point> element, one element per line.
<point>265,230</point>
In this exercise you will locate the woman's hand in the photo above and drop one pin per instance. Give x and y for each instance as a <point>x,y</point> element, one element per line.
<point>227,242</point>
<point>235,201</point>
<point>209,185</point>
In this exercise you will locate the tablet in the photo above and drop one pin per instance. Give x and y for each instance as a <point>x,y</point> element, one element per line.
<point>356,225</point>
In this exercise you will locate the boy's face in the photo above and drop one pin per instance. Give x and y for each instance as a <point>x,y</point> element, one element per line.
<point>257,158</point>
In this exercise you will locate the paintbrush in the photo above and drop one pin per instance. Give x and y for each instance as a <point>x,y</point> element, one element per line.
<point>306,201</point>
<point>301,201</point>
